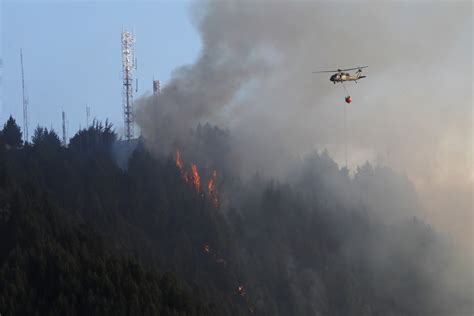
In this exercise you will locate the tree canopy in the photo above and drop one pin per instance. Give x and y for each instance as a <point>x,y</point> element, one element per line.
<point>80,235</point>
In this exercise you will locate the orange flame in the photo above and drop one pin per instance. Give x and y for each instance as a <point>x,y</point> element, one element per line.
<point>196,178</point>
<point>211,186</point>
<point>179,161</point>
<point>180,165</point>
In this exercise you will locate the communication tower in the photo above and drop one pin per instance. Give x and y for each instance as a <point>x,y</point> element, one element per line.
<point>128,66</point>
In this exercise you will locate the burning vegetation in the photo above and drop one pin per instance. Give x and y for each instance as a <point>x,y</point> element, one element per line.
<point>195,179</point>
<point>180,165</point>
<point>218,259</point>
<point>211,187</point>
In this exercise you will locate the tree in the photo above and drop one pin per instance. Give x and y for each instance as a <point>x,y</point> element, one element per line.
<point>11,133</point>
<point>98,138</point>
<point>42,138</point>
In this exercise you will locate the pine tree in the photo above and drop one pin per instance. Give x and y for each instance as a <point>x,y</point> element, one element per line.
<point>11,133</point>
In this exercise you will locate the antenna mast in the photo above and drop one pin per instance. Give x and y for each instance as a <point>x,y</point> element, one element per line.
<point>1,84</point>
<point>64,130</point>
<point>25,101</point>
<point>128,66</point>
<point>88,114</point>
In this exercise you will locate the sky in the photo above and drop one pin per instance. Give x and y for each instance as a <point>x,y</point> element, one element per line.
<point>72,56</point>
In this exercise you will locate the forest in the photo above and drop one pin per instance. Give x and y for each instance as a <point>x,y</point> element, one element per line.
<point>83,232</point>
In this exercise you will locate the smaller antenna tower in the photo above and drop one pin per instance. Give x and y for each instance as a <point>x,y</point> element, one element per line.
<point>64,130</point>
<point>156,87</point>
<point>25,101</point>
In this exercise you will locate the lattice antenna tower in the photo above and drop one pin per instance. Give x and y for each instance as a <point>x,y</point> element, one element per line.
<point>128,66</point>
<point>156,87</point>
<point>25,101</point>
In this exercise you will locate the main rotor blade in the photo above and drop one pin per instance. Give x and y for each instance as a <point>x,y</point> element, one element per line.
<point>317,72</point>
<point>362,67</point>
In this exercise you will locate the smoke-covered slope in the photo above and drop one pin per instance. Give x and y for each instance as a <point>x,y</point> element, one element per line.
<point>80,235</point>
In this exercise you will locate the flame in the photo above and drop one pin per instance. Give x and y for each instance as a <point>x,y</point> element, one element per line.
<point>241,290</point>
<point>180,165</point>
<point>211,187</point>
<point>179,161</point>
<point>195,177</point>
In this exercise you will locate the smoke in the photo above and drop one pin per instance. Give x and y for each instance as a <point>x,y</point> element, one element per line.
<point>254,77</point>
<point>412,113</point>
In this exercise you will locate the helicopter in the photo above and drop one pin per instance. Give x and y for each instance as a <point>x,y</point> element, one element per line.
<point>341,76</point>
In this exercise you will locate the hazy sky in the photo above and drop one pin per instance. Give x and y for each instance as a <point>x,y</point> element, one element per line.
<point>72,55</point>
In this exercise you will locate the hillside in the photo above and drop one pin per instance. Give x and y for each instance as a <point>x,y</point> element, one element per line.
<point>81,235</point>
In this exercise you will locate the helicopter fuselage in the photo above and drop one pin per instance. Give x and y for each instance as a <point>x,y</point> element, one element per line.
<point>344,76</point>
